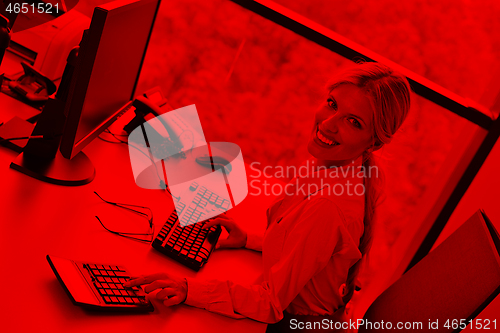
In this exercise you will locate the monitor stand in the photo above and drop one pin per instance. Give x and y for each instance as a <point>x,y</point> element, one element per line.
<point>58,170</point>
<point>41,158</point>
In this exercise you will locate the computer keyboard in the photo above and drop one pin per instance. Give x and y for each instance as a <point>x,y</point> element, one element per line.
<point>184,240</point>
<point>98,286</point>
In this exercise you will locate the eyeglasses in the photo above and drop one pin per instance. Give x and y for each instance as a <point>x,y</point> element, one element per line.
<point>148,216</point>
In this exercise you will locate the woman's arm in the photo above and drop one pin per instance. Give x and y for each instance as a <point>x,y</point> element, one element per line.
<point>237,237</point>
<point>319,232</point>
<point>254,242</point>
<point>317,235</point>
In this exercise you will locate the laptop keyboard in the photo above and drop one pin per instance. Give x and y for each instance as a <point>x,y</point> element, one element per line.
<point>108,280</point>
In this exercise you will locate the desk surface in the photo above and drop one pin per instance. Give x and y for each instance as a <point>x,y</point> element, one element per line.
<point>40,219</point>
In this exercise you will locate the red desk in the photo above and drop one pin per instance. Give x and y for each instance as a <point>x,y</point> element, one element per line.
<point>40,219</point>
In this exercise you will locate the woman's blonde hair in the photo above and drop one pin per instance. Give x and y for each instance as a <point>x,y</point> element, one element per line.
<point>389,95</point>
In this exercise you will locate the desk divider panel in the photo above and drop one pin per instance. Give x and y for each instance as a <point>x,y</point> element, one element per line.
<point>456,281</point>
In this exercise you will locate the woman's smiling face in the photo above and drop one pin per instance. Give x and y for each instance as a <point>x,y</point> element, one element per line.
<point>343,126</point>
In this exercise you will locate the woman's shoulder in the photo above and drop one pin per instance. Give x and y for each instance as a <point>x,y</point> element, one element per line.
<point>329,218</point>
<point>349,202</point>
<point>346,211</point>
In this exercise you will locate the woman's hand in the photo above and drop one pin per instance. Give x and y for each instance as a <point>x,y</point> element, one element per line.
<point>173,290</point>
<point>237,237</point>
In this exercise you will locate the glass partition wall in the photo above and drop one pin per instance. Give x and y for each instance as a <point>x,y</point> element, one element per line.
<point>257,83</point>
<point>256,71</point>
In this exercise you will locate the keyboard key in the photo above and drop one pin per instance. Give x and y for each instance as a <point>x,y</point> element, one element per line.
<point>115,291</point>
<point>107,299</point>
<point>114,299</point>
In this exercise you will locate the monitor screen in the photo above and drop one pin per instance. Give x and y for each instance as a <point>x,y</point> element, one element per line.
<point>107,70</point>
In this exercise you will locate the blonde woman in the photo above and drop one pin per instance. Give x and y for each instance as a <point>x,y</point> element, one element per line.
<point>314,241</point>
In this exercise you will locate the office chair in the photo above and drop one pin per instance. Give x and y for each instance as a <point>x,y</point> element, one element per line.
<point>457,280</point>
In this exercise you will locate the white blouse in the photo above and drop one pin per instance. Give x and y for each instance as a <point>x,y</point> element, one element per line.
<point>311,242</point>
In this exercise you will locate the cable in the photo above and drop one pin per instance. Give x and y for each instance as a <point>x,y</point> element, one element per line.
<point>163,184</point>
<point>47,137</point>
<point>118,140</point>
<point>106,140</point>
<point>19,138</point>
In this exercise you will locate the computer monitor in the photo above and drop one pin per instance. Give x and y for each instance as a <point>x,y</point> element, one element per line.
<point>109,70</point>
<point>101,86</point>
<point>29,14</point>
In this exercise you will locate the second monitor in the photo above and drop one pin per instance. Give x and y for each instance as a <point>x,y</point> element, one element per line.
<point>100,88</point>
